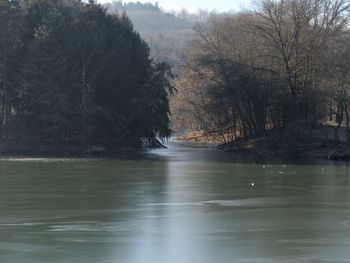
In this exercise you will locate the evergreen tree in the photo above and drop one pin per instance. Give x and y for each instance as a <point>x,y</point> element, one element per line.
<point>10,21</point>
<point>86,76</point>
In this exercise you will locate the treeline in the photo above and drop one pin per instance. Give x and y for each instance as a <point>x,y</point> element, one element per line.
<point>70,71</point>
<point>150,17</point>
<point>120,5</point>
<point>281,68</point>
<point>166,33</point>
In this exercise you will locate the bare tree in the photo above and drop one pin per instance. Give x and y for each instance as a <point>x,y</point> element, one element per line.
<point>299,31</point>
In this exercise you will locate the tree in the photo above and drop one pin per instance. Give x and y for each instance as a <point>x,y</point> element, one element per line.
<point>298,32</point>
<point>271,70</point>
<point>85,76</point>
<point>10,22</point>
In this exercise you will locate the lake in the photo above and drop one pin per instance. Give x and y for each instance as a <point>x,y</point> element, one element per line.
<point>175,205</point>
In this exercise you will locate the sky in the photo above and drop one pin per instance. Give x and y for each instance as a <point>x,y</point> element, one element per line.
<point>194,5</point>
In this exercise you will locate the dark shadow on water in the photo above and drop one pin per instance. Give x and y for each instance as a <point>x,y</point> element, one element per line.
<point>187,152</point>
<point>177,151</point>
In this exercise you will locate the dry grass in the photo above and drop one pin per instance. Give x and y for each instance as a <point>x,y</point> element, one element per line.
<point>199,136</point>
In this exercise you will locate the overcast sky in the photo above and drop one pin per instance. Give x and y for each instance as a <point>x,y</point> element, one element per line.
<point>193,5</point>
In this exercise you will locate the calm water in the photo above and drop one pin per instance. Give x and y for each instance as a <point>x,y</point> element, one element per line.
<point>177,205</point>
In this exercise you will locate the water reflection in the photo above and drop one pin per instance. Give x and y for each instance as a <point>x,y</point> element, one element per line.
<point>174,205</point>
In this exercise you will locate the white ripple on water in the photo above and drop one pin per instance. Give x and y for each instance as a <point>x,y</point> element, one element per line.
<point>244,202</point>
<point>72,240</point>
<point>22,224</point>
<point>23,247</point>
<point>177,204</point>
<point>46,160</point>
<point>316,241</point>
<point>257,202</point>
<point>285,259</point>
<point>88,227</point>
<point>234,203</point>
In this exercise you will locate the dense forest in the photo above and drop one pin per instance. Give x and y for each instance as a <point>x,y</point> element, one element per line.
<point>70,71</point>
<point>279,69</point>
<point>83,72</point>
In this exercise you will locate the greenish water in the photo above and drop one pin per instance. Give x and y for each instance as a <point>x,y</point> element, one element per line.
<point>177,205</point>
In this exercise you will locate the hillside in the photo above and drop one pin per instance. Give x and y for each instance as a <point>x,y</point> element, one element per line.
<point>168,34</point>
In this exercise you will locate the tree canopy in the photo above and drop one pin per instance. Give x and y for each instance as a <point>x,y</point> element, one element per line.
<point>72,71</point>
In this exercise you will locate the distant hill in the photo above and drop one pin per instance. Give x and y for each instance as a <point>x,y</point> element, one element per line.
<point>167,34</point>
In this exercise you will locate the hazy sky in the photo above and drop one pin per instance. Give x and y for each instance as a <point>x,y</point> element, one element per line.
<point>193,5</point>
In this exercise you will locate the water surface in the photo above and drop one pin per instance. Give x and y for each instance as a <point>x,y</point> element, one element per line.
<point>177,205</point>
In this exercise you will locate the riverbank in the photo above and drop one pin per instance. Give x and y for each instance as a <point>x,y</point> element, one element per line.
<point>197,137</point>
<point>37,148</point>
<point>282,146</point>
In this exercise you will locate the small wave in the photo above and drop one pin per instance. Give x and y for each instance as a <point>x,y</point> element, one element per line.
<point>22,247</point>
<point>176,204</point>
<point>45,160</point>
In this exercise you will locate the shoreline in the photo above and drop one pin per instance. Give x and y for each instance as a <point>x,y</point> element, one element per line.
<point>279,146</point>
<point>66,149</point>
<point>275,146</point>
<point>267,146</point>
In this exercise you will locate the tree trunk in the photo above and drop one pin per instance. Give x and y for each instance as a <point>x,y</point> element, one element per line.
<point>347,124</point>
<point>84,102</point>
<point>4,84</point>
<point>339,119</point>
